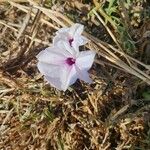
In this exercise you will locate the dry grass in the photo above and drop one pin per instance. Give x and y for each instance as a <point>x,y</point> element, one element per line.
<point>108,114</point>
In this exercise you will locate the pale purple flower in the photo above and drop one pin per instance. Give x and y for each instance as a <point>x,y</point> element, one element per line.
<point>71,36</point>
<point>62,65</point>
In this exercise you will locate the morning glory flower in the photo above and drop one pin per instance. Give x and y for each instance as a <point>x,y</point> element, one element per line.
<point>62,65</point>
<point>72,36</point>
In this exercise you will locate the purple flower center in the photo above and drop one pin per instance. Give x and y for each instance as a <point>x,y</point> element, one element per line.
<point>70,41</point>
<point>70,61</point>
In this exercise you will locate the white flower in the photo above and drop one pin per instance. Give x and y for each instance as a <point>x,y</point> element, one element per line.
<point>71,36</point>
<point>62,65</point>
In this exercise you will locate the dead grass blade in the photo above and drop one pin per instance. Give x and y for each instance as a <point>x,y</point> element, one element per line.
<point>25,23</point>
<point>2,127</point>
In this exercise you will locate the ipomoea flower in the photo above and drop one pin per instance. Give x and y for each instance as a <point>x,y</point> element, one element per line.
<point>71,36</point>
<point>62,65</point>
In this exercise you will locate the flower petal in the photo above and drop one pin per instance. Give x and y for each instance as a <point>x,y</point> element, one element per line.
<point>49,70</point>
<point>76,29</point>
<point>64,45</point>
<point>60,78</point>
<point>73,33</point>
<point>62,30</point>
<point>55,82</point>
<point>69,76</point>
<point>83,75</point>
<point>53,55</point>
<point>82,40</point>
<point>61,37</point>
<point>85,60</point>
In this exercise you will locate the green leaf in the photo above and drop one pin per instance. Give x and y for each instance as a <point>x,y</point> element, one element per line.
<point>111,3</point>
<point>146,95</point>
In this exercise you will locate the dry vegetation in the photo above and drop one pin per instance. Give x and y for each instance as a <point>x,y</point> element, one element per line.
<point>111,113</point>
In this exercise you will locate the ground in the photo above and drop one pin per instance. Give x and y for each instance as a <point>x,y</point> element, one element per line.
<point>111,113</point>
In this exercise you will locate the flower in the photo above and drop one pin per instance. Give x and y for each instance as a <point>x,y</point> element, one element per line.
<point>72,36</point>
<point>62,65</point>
